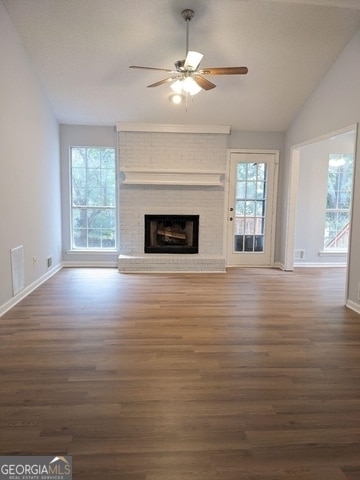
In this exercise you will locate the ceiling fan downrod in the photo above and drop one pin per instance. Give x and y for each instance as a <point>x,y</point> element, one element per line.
<point>187,15</point>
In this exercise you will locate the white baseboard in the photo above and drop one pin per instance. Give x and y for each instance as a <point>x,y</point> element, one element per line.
<point>309,265</point>
<point>320,265</point>
<point>281,266</point>
<point>30,288</point>
<point>87,264</point>
<point>353,306</point>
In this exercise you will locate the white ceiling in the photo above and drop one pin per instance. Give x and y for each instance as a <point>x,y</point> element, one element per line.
<point>82,50</point>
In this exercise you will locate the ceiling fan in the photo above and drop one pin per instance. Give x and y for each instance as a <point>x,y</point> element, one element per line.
<point>188,78</point>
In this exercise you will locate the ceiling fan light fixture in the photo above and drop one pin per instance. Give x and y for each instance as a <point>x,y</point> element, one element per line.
<point>186,85</point>
<point>176,98</point>
<point>177,87</point>
<point>190,86</point>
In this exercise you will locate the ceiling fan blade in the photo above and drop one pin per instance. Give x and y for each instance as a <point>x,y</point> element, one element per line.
<point>224,71</point>
<point>161,82</point>
<point>153,68</point>
<point>204,82</point>
<point>192,60</point>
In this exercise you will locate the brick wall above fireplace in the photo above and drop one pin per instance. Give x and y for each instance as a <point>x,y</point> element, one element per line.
<point>174,153</point>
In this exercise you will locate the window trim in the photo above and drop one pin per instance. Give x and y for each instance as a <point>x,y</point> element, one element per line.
<point>92,250</point>
<point>337,251</point>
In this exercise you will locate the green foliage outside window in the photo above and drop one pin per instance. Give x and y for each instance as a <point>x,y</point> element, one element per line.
<point>93,197</point>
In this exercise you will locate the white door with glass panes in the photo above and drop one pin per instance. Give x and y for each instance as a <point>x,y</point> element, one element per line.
<point>251,208</point>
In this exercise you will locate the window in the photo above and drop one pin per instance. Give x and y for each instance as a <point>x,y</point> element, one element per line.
<point>251,179</point>
<point>93,198</point>
<point>337,213</point>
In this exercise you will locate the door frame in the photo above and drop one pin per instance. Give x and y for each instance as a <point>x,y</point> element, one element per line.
<point>227,199</point>
<point>295,154</point>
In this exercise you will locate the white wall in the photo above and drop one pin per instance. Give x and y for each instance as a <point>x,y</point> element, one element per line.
<point>81,136</point>
<point>30,173</point>
<point>257,140</point>
<point>311,203</point>
<point>335,104</point>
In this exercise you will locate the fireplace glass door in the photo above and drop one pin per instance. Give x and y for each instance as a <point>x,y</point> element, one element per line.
<point>171,233</point>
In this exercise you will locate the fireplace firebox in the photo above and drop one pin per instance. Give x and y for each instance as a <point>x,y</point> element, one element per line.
<point>171,233</point>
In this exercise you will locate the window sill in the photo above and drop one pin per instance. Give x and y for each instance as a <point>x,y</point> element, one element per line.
<point>92,252</point>
<point>333,253</point>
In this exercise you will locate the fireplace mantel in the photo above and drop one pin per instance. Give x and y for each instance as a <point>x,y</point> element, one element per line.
<point>167,128</point>
<point>171,177</point>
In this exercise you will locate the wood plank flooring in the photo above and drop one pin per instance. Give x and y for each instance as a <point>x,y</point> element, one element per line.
<point>249,375</point>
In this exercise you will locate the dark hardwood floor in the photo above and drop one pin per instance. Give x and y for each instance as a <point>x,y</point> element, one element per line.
<point>253,374</point>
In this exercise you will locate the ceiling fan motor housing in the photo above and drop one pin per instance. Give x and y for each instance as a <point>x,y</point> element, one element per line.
<point>187,14</point>
<point>179,65</point>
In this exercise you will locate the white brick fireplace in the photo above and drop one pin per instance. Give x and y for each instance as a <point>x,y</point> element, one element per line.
<point>175,170</point>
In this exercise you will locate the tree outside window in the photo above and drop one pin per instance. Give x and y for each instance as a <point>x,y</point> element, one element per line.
<point>337,213</point>
<point>93,198</point>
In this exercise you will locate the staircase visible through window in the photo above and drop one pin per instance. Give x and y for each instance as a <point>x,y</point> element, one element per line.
<point>337,213</point>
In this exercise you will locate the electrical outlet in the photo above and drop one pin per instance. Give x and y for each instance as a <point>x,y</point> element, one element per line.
<point>34,260</point>
<point>49,262</point>
<point>299,254</point>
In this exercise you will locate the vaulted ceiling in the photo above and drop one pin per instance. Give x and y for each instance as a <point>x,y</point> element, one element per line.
<point>82,50</point>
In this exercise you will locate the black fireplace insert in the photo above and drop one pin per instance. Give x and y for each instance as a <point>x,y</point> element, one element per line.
<point>171,233</point>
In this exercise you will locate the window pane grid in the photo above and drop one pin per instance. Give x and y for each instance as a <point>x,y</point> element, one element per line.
<point>250,207</point>
<point>93,198</point>
<point>337,212</point>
